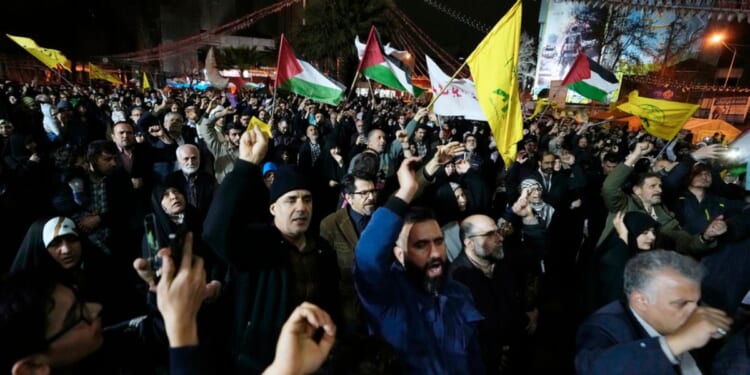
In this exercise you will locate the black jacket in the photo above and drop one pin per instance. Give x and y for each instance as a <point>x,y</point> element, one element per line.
<point>264,280</point>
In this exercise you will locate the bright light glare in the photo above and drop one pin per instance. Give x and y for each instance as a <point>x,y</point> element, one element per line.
<point>717,38</point>
<point>733,154</point>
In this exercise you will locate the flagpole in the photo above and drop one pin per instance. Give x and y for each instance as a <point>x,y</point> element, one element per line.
<point>460,68</point>
<point>598,123</point>
<point>62,78</point>
<point>351,88</point>
<point>273,105</point>
<point>372,92</point>
<point>663,149</point>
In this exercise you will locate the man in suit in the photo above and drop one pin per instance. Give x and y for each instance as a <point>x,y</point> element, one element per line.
<point>661,322</point>
<point>342,230</point>
<point>559,188</point>
<point>134,158</point>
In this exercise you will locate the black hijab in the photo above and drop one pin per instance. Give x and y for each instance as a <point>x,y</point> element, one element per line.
<point>638,222</point>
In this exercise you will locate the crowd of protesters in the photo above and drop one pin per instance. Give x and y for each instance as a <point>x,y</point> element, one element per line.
<point>401,235</point>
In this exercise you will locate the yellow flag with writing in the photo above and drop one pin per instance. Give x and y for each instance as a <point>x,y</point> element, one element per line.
<point>52,58</point>
<point>494,67</point>
<point>661,118</point>
<point>96,72</point>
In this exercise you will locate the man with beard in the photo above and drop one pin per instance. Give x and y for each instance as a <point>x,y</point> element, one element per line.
<point>410,301</point>
<point>483,269</point>
<point>342,230</point>
<point>101,204</point>
<point>646,197</point>
<point>197,186</point>
<point>224,149</point>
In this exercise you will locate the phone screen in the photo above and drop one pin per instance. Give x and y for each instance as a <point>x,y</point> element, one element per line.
<point>152,242</point>
<point>176,244</point>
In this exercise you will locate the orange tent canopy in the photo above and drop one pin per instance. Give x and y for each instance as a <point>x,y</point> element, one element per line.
<point>634,122</point>
<point>702,128</point>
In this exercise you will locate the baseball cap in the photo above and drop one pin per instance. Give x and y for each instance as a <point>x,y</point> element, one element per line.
<point>57,227</point>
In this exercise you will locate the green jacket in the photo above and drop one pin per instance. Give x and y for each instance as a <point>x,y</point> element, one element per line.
<point>670,234</point>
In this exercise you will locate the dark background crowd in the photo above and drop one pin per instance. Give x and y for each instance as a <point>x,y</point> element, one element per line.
<point>541,242</point>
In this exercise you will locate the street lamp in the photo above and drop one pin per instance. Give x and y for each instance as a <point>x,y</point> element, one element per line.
<point>719,38</point>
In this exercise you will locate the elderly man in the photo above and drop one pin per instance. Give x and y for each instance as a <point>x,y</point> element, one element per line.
<point>342,230</point>
<point>429,319</point>
<point>278,264</point>
<point>661,322</point>
<point>197,186</point>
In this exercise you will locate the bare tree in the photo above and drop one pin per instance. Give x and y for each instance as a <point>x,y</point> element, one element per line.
<point>624,36</point>
<point>683,34</point>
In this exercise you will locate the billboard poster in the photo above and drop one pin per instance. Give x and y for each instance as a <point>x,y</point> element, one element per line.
<point>731,109</point>
<point>623,39</point>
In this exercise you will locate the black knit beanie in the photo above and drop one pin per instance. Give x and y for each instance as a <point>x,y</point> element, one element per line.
<point>288,178</point>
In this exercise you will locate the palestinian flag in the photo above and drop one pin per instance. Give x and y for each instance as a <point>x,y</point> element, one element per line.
<point>590,79</point>
<point>381,67</point>
<point>300,77</point>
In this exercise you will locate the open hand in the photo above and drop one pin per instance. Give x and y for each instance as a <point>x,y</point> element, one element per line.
<point>447,152</point>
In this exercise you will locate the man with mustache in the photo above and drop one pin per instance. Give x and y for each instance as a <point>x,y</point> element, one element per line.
<point>342,230</point>
<point>646,196</point>
<point>277,265</point>
<point>100,203</point>
<point>401,277</point>
<point>484,269</point>
<point>197,186</point>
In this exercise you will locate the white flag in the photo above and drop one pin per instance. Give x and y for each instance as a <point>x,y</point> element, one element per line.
<point>458,99</point>
<point>387,48</point>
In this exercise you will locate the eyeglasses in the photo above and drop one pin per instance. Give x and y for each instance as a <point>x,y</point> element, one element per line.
<point>364,193</point>
<point>78,313</point>
<point>505,230</point>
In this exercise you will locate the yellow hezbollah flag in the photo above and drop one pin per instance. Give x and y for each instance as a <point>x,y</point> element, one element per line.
<point>265,128</point>
<point>96,72</point>
<point>52,58</point>
<point>661,118</point>
<point>145,85</point>
<point>494,65</point>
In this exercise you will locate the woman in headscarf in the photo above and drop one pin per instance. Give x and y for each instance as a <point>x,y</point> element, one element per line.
<point>53,245</point>
<point>636,231</point>
<point>174,216</point>
<point>533,217</point>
